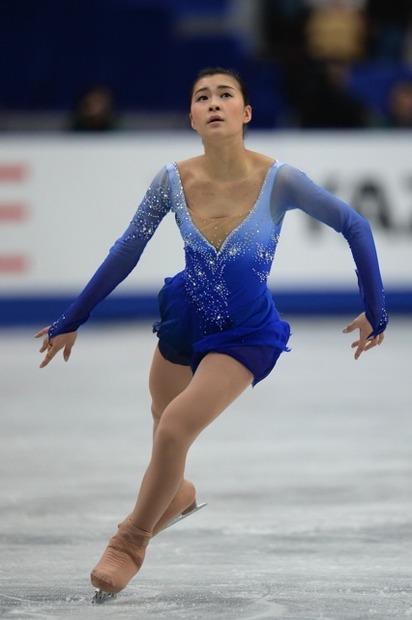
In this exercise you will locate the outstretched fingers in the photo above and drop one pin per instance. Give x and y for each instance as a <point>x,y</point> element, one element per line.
<point>365,342</point>
<point>53,345</point>
<point>366,345</point>
<point>51,352</point>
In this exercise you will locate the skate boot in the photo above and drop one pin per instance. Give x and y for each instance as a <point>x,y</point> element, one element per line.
<point>183,504</point>
<point>121,560</point>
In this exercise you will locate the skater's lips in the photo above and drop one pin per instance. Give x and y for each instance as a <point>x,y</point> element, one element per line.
<point>214,118</point>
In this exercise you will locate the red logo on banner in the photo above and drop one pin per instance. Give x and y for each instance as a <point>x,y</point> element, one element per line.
<point>15,212</point>
<point>14,173</point>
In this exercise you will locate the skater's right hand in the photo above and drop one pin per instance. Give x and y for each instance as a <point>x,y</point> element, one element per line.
<point>54,345</point>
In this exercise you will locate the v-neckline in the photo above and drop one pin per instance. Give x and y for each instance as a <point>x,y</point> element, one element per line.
<point>232,232</point>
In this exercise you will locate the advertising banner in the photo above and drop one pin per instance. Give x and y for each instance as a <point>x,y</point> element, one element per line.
<point>65,199</point>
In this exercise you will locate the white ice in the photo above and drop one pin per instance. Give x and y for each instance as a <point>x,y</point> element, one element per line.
<point>307,479</point>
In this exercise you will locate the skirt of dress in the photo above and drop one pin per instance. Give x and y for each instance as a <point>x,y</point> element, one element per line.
<point>256,336</point>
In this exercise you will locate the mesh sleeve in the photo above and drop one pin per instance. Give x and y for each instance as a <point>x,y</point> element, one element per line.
<point>122,258</point>
<point>295,190</point>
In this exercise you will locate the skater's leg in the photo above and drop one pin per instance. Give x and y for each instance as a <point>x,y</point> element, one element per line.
<point>166,381</point>
<point>117,567</point>
<point>184,501</point>
<point>218,381</point>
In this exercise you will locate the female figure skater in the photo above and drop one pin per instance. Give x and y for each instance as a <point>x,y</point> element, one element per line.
<point>219,330</point>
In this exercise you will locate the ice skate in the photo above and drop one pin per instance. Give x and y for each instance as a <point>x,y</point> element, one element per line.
<point>102,597</point>
<point>120,561</point>
<point>183,505</point>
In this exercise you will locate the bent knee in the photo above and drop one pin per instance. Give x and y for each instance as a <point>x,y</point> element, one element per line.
<point>171,436</point>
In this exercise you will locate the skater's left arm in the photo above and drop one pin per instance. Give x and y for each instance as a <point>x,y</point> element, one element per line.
<point>296,190</point>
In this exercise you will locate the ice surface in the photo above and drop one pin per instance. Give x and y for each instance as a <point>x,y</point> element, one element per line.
<point>307,479</point>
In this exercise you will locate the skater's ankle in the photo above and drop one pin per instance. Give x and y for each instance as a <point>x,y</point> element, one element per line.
<point>134,524</point>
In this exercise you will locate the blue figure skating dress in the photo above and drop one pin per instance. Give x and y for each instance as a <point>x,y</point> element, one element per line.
<point>220,302</point>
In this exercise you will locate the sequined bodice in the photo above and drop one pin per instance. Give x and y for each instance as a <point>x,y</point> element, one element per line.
<point>221,281</point>
<point>226,275</point>
<point>216,230</point>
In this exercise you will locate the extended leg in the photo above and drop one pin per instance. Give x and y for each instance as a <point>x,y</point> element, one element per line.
<point>218,381</point>
<point>126,550</point>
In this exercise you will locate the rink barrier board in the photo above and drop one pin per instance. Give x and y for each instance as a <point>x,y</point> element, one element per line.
<point>40,311</point>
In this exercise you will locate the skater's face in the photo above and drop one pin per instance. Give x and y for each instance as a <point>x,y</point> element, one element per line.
<point>218,107</point>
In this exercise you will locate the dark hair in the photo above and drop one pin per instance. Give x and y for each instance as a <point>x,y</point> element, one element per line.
<point>220,70</point>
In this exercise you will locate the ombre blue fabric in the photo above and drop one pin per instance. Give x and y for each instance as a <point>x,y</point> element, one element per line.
<point>254,335</point>
<point>220,302</point>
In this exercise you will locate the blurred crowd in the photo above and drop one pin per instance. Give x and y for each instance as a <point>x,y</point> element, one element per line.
<point>317,46</point>
<point>320,44</point>
<point>310,64</point>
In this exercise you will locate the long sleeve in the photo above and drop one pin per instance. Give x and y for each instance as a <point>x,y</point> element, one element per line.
<point>122,258</point>
<point>293,189</point>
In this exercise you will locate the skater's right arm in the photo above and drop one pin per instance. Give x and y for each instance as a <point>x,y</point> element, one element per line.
<point>122,258</point>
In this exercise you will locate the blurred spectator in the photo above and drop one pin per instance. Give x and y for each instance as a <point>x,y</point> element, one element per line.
<point>95,111</point>
<point>335,38</point>
<point>336,30</point>
<point>400,106</point>
<point>281,27</point>
<point>323,100</point>
<point>390,23</point>
<point>316,42</point>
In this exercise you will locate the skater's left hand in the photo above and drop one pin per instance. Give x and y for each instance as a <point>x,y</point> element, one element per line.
<point>54,345</point>
<point>364,343</point>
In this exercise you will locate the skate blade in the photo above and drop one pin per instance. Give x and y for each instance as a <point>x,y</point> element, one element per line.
<point>186,514</point>
<point>101,597</point>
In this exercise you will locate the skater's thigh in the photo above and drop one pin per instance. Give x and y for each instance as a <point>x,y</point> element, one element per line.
<point>217,382</point>
<point>166,381</point>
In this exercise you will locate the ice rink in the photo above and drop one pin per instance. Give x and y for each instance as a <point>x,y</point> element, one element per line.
<point>308,479</point>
